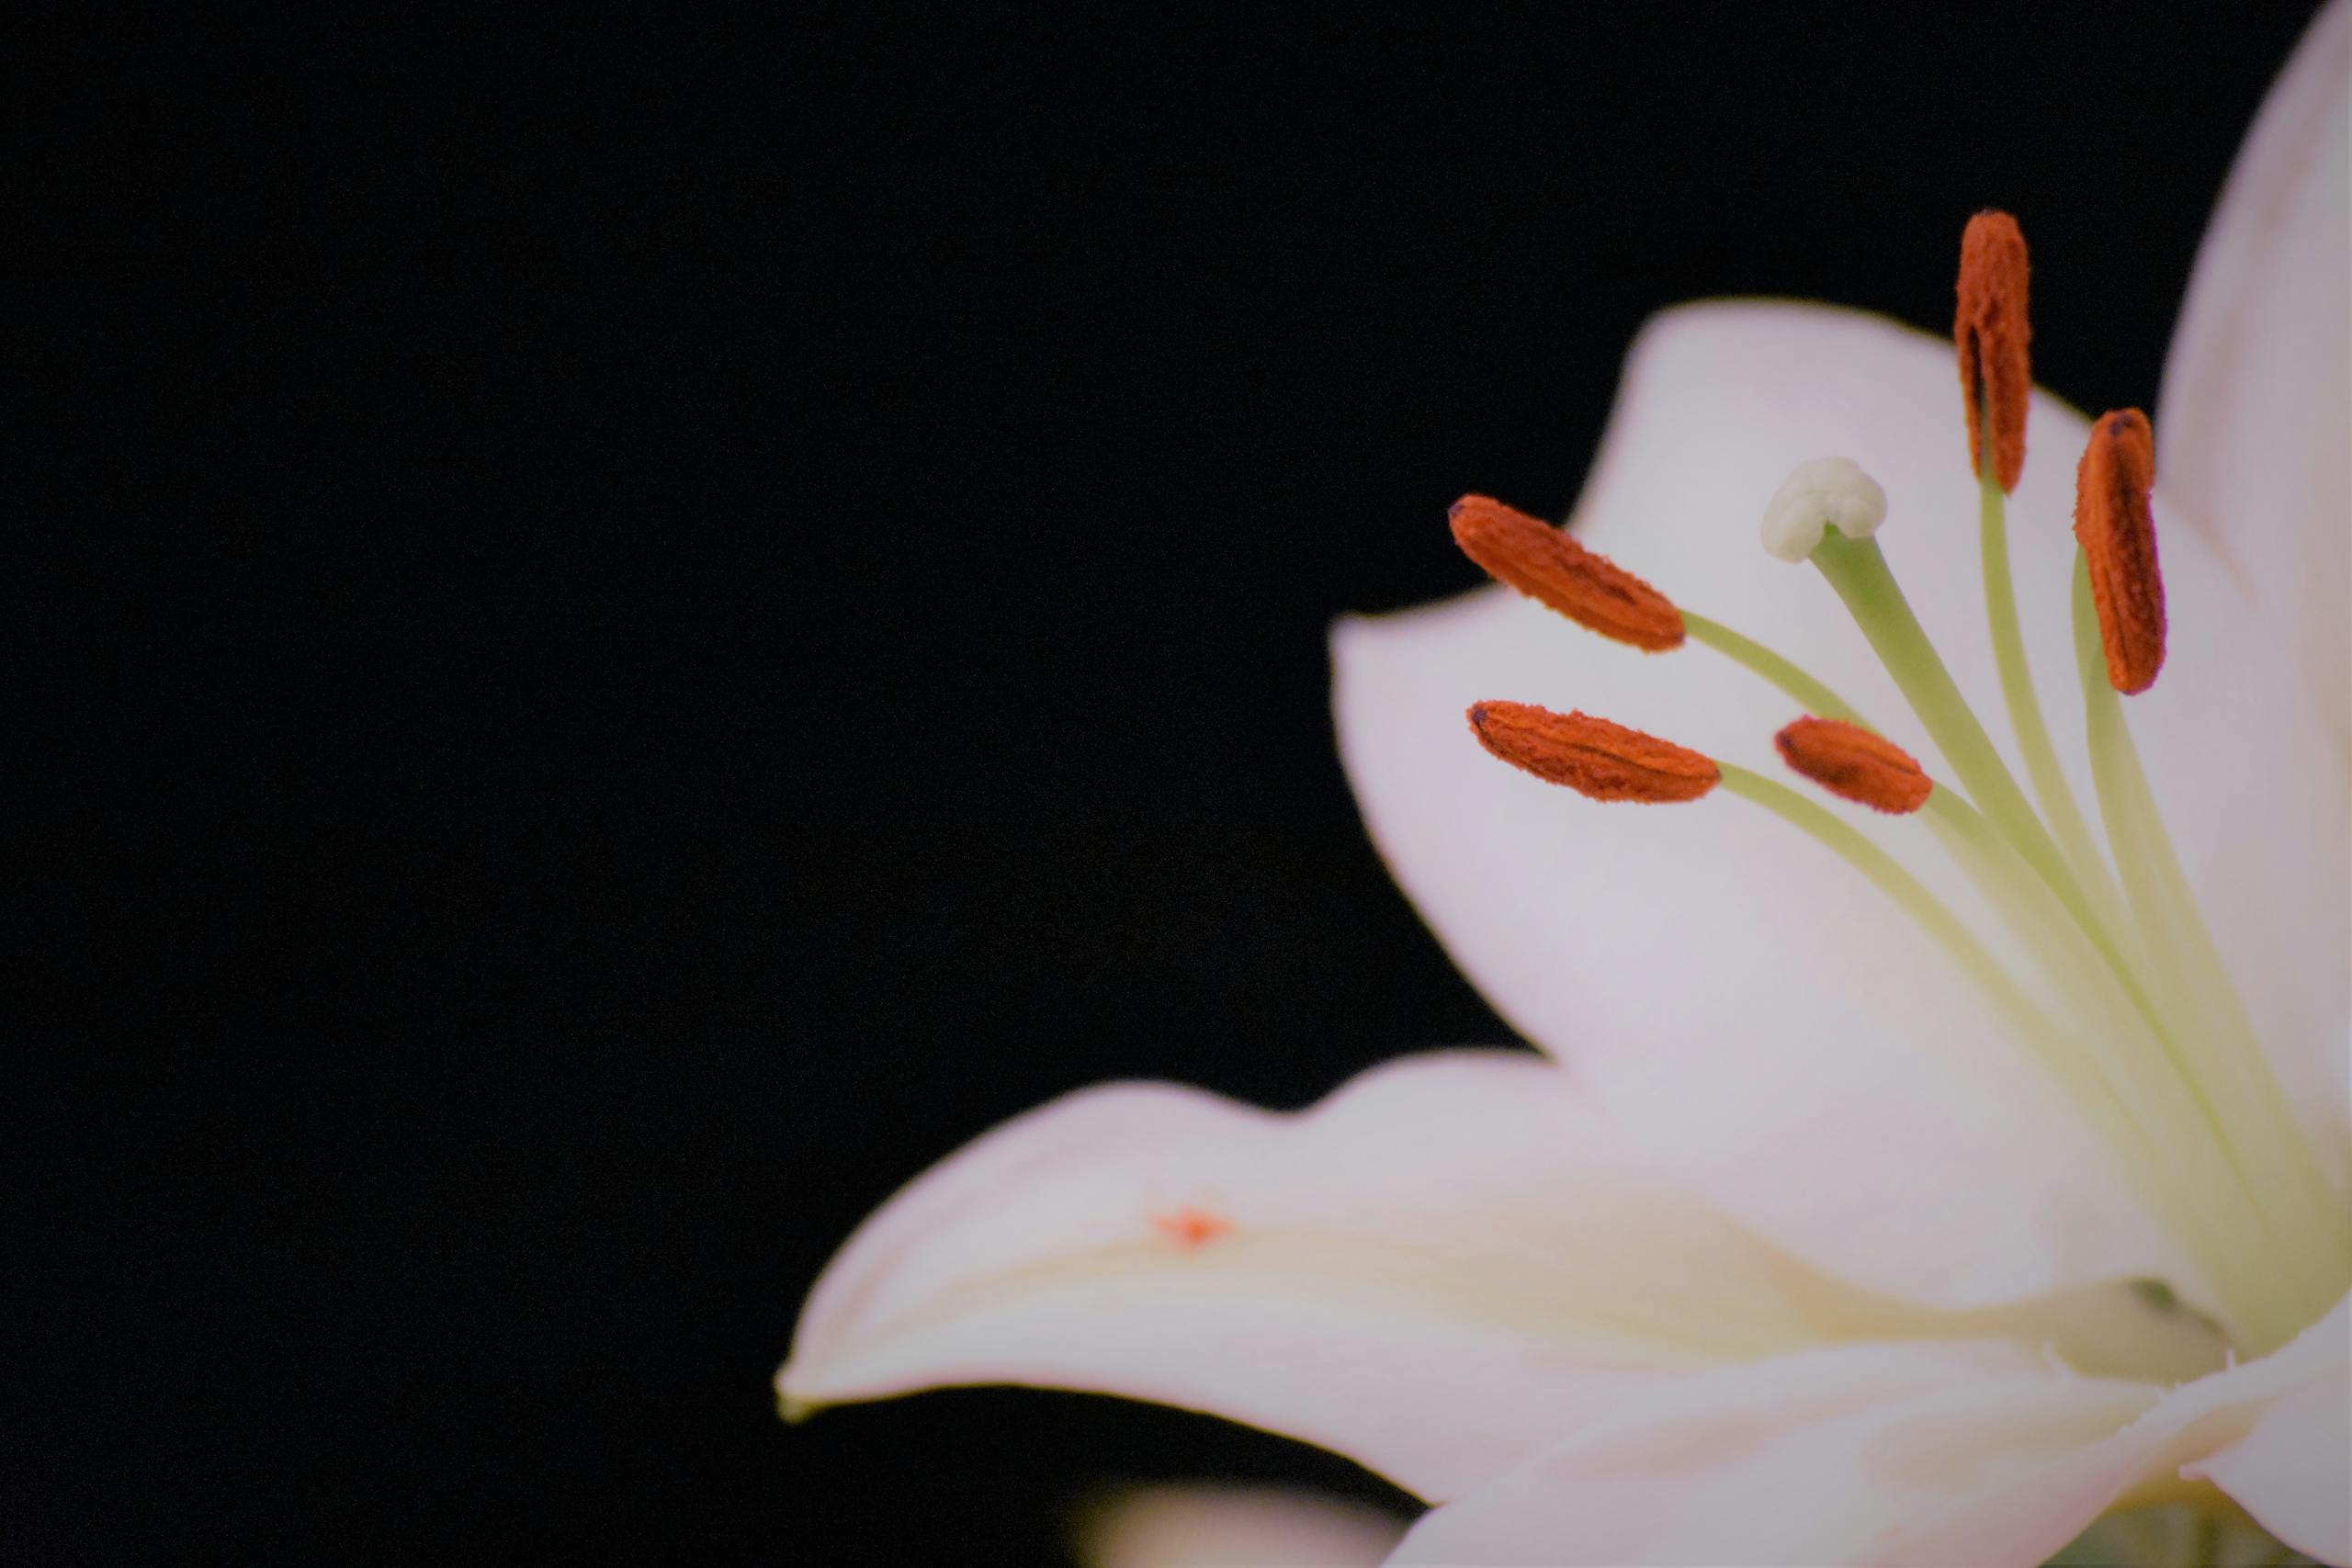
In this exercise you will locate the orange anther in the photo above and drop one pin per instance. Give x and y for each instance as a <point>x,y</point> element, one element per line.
<point>1991,330</point>
<point>1848,761</point>
<point>1591,756</point>
<point>2118,533</point>
<point>1547,566</point>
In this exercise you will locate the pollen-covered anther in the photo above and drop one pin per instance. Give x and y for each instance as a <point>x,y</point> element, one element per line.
<point>1551,568</point>
<point>2118,533</point>
<point>1591,756</point>
<point>1992,332</point>
<point>1848,761</point>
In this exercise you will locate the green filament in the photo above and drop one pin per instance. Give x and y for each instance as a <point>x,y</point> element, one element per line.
<point>2148,1139</point>
<point>2050,786</point>
<point>1900,888</point>
<point>1808,694</point>
<point>2173,1143</point>
<point>2225,1060</point>
<point>1983,857</point>
<point>2175,1140</point>
<point>1859,573</point>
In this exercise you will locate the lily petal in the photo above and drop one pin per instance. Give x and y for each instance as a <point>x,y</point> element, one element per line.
<point>2257,391</point>
<point>1234,1527</point>
<point>2292,1470</point>
<point>1436,1272</point>
<point>1912,1454</point>
<point>1855,1454</point>
<point>1746,1006</point>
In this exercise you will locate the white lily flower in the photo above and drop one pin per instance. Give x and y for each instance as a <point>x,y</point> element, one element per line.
<point>1807,1239</point>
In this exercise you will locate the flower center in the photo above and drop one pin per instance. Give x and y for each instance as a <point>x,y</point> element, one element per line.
<point>2128,1009</point>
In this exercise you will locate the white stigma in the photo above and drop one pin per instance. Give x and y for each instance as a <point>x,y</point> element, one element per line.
<point>1827,492</point>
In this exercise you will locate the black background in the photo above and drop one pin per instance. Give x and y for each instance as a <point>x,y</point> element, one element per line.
<point>632,627</point>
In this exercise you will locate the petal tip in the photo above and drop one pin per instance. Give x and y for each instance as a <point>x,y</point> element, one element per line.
<point>790,1407</point>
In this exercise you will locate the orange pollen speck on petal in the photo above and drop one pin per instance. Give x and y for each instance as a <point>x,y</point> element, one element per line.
<point>1547,566</point>
<point>1591,756</point>
<point>1191,1227</point>
<point>1991,330</point>
<point>2118,533</point>
<point>1848,761</point>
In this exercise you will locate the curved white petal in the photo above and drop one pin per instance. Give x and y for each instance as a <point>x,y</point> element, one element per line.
<point>1915,1455</point>
<point>1748,1006</point>
<point>1234,1527</point>
<point>2257,391</point>
<point>1435,1271</point>
<point>1908,1454</point>
<point>2292,1470</point>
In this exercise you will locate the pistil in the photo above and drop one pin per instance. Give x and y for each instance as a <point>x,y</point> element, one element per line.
<point>1858,573</point>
